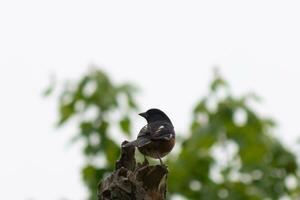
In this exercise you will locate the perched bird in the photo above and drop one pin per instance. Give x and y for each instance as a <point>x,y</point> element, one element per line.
<point>157,138</point>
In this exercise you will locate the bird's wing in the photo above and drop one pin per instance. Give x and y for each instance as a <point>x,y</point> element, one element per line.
<point>162,131</point>
<point>142,141</point>
<point>144,136</point>
<point>145,131</point>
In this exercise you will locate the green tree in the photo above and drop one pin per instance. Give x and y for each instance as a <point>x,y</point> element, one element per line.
<point>98,105</point>
<point>229,152</point>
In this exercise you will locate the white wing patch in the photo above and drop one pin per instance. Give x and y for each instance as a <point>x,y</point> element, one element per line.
<point>168,137</point>
<point>159,129</point>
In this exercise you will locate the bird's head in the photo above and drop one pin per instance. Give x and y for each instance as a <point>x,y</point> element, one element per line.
<point>153,115</point>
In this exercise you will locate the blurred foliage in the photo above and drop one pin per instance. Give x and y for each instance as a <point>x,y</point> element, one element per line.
<point>98,105</point>
<point>229,152</point>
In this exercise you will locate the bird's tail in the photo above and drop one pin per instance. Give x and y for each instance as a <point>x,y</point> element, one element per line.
<point>129,144</point>
<point>141,141</point>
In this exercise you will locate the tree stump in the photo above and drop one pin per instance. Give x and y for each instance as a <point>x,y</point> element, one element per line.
<point>134,181</point>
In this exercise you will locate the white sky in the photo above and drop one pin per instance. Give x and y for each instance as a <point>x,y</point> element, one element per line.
<point>167,47</point>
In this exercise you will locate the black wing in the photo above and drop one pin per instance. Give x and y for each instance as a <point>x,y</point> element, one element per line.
<point>144,136</point>
<point>162,131</point>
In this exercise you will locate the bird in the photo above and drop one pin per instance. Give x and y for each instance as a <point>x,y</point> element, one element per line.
<point>157,138</point>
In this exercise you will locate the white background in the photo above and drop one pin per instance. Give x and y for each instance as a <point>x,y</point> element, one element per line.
<point>167,47</point>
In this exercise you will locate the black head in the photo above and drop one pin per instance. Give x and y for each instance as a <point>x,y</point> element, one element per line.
<point>153,115</point>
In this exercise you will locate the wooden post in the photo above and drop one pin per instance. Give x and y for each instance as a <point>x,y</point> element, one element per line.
<point>134,181</point>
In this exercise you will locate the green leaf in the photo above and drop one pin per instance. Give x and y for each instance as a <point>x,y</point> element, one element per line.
<point>48,90</point>
<point>125,125</point>
<point>86,128</point>
<point>103,127</point>
<point>218,83</point>
<point>66,112</point>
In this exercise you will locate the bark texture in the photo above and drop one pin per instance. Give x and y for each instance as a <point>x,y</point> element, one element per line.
<point>134,181</point>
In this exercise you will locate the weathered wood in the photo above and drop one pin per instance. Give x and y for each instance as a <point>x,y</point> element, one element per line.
<point>131,181</point>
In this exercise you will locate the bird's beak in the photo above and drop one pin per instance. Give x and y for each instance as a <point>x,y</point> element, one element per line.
<point>143,114</point>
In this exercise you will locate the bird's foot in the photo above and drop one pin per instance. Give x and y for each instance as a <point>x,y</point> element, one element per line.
<point>146,162</point>
<point>161,162</point>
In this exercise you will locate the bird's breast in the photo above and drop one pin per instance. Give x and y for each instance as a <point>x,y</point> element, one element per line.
<point>158,148</point>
